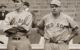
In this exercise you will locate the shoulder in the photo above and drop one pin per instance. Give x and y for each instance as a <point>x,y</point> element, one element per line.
<point>47,16</point>
<point>11,13</point>
<point>67,16</point>
<point>28,13</point>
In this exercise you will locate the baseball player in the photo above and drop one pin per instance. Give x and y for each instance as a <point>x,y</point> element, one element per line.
<point>57,28</point>
<point>17,24</point>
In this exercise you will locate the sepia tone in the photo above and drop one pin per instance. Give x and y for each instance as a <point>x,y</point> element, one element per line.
<point>41,7</point>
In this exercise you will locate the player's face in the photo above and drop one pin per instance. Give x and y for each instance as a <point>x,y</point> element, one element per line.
<point>18,5</point>
<point>24,7</point>
<point>55,8</point>
<point>3,8</point>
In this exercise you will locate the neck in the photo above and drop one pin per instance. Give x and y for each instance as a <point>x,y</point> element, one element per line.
<point>56,15</point>
<point>19,11</point>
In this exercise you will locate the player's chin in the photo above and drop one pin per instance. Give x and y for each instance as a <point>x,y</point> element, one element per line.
<point>54,12</point>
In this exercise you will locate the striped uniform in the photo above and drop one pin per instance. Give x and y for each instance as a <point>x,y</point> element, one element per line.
<point>58,29</point>
<point>14,19</point>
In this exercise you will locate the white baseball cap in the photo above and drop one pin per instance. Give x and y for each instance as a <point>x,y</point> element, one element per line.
<point>57,2</point>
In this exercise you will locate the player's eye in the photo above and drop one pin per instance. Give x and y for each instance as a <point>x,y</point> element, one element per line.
<point>54,6</point>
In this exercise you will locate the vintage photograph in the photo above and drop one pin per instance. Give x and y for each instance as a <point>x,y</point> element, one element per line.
<point>39,24</point>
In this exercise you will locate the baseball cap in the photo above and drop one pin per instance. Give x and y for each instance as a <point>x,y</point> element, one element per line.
<point>56,2</point>
<point>26,3</point>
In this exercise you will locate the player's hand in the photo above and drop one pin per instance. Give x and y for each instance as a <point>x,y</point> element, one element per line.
<point>52,39</point>
<point>21,29</point>
<point>11,31</point>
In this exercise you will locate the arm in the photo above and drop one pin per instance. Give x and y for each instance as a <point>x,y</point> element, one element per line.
<point>73,34</point>
<point>5,25</point>
<point>27,24</point>
<point>74,28</point>
<point>40,27</point>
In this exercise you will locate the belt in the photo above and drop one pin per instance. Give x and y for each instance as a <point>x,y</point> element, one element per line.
<point>18,38</point>
<point>57,42</point>
<point>53,42</point>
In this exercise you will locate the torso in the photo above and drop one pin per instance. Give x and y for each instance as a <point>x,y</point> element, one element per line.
<point>55,27</point>
<point>18,18</point>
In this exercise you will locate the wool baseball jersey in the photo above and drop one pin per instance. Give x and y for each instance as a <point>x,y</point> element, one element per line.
<point>58,28</point>
<point>14,19</point>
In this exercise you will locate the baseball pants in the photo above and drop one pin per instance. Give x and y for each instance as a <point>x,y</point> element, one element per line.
<point>55,46</point>
<point>19,44</point>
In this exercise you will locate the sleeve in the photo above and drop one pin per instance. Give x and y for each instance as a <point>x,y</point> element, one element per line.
<point>73,24</point>
<point>27,22</point>
<point>5,25</point>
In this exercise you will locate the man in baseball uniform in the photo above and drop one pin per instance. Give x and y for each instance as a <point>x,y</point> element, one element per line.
<point>17,24</point>
<point>58,28</point>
